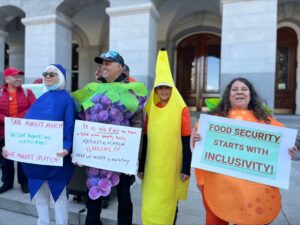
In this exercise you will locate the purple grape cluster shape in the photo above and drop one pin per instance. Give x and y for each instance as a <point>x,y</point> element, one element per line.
<point>100,182</point>
<point>104,111</point>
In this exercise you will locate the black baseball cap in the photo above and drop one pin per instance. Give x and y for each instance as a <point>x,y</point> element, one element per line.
<point>111,56</point>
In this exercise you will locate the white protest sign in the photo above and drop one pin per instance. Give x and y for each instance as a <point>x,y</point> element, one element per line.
<point>37,89</point>
<point>34,141</point>
<point>246,150</point>
<point>106,146</point>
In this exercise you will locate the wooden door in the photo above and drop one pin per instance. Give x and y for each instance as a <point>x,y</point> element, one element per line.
<point>286,63</point>
<point>198,69</point>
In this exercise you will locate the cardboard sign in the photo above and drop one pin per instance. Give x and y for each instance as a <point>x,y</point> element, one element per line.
<point>246,150</point>
<point>34,141</point>
<point>106,146</point>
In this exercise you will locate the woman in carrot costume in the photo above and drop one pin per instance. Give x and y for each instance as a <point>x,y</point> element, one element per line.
<point>228,199</point>
<point>166,157</point>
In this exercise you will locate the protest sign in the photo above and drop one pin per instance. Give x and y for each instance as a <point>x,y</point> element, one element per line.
<point>34,141</point>
<point>106,146</point>
<point>37,89</point>
<point>246,150</point>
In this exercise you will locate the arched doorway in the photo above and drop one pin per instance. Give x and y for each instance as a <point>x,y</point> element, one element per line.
<point>286,63</point>
<point>198,68</point>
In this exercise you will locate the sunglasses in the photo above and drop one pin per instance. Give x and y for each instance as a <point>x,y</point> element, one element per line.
<point>49,74</point>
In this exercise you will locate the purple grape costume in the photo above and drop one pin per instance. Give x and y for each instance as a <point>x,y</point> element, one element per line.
<point>111,103</point>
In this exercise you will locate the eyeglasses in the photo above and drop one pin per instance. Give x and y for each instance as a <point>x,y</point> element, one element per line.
<point>49,74</point>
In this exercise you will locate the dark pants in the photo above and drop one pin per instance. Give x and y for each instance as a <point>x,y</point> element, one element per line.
<point>8,170</point>
<point>125,208</point>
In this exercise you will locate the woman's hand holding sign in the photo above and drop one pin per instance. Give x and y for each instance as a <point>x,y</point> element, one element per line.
<point>62,153</point>
<point>4,152</point>
<point>293,152</point>
<point>195,137</point>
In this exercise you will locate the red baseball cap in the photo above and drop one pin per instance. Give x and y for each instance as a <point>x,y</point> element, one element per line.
<point>11,71</point>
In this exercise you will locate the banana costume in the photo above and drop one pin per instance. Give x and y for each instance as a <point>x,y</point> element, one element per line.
<point>162,186</point>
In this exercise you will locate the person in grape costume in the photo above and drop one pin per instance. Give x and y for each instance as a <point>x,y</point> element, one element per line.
<point>46,181</point>
<point>112,101</point>
<point>126,71</point>
<point>166,156</point>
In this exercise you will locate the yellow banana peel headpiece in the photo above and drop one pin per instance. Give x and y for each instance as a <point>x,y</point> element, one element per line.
<point>163,77</point>
<point>163,72</point>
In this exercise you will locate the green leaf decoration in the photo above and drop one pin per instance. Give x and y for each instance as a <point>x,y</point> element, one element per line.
<point>212,103</point>
<point>129,101</point>
<point>114,91</point>
<point>105,87</point>
<point>138,88</point>
<point>113,96</point>
<point>85,93</point>
<point>87,104</point>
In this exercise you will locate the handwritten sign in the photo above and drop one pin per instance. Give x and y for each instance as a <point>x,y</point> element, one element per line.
<point>246,150</point>
<point>37,89</point>
<point>106,146</point>
<point>34,141</point>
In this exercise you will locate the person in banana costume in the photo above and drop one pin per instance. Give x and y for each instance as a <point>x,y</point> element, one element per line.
<point>166,157</point>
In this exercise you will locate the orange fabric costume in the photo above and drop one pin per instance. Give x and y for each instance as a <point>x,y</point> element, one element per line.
<point>236,200</point>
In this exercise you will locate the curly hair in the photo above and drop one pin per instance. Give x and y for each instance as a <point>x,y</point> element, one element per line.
<point>255,103</point>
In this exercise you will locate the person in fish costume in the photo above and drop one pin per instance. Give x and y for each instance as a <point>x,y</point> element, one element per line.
<point>166,157</point>
<point>43,181</point>
<point>232,200</point>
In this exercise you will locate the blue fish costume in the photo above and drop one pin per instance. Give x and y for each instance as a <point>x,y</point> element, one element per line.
<point>54,105</point>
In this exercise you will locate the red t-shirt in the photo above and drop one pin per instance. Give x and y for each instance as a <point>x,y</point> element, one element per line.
<point>13,104</point>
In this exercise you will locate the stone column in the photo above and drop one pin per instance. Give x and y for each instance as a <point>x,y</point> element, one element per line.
<point>249,44</point>
<point>16,57</point>
<point>133,33</point>
<point>87,68</point>
<point>48,39</point>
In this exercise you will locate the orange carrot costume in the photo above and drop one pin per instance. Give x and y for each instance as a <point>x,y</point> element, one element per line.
<point>236,200</point>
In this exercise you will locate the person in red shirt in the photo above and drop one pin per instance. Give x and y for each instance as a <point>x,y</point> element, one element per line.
<point>14,102</point>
